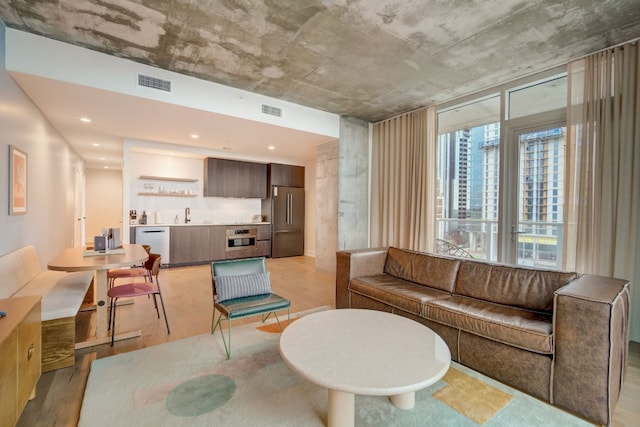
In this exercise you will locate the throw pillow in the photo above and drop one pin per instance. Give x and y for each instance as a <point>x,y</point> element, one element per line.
<point>229,287</point>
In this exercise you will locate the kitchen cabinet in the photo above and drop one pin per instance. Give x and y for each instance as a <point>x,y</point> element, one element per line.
<point>233,178</point>
<point>190,244</point>
<point>263,232</point>
<point>218,245</point>
<point>20,355</point>
<point>199,244</point>
<point>285,175</point>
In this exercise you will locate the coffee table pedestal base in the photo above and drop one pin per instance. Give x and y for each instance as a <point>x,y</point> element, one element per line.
<point>404,400</point>
<point>341,411</point>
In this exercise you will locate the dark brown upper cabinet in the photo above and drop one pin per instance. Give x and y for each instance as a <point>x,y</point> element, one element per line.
<point>286,175</point>
<point>234,178</point>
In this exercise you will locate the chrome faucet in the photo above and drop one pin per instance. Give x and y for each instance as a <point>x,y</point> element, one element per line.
<point>187,215</point>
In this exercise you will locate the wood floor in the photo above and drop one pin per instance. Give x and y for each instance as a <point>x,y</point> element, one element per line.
<point>187,294</point>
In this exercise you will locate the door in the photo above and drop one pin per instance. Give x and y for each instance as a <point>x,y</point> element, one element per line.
<point>296,208</point>
<point>287,243</point>
<point>79,208</point>
<point>288,208</point>
<point>288,222</point>
<point>534,223</point>
<point>280,207</point>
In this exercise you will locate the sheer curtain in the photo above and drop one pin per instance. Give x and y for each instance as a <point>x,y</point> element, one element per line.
<point>603,209</point>
<point>403,181</point>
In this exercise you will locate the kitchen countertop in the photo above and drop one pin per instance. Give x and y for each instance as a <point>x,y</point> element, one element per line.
<point>182,224</point>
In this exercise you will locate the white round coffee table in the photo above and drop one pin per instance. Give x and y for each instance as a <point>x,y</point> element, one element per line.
<point>367,352</point>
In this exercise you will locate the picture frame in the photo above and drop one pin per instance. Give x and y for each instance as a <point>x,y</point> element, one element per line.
<point>17,181</point>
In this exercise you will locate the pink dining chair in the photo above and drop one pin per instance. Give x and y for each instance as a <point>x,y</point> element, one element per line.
<point>128,273</point>
<point>136,289</point>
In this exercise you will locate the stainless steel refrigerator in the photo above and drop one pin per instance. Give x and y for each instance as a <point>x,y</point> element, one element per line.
<point>286,205</point>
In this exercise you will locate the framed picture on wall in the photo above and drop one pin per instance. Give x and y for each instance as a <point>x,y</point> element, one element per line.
<point>17,181</point>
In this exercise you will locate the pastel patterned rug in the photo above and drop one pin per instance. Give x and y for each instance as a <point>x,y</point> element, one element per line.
<point>190,383</point>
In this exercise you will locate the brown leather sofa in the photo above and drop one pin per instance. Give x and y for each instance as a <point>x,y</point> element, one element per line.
<point>561,337</point>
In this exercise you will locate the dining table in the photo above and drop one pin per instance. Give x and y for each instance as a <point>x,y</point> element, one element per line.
<point>83,259</point>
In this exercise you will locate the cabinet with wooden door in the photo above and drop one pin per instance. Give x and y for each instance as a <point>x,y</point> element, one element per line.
<point>233,178</point>
<point>20,355</point>
<point>190,244</point>
<point>285,175</point>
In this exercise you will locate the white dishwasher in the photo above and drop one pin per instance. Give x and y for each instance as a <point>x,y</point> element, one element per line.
<point>157,238</point>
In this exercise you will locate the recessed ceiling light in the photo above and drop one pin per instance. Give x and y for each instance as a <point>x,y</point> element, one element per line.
<point>102,158</point>
<point>106,167</point>
<point>85,119</point>
<point>195,136</point>
<point>271,147</point>
<point>95,144</point>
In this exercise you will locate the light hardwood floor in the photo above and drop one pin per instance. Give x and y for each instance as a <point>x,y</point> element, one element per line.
<point>187,294</point>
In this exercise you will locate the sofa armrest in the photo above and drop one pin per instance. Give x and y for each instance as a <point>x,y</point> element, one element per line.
<point>591,338</point>
<point>356,263</point>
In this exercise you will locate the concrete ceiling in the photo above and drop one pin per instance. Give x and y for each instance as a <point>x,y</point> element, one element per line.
<point>370,59</point>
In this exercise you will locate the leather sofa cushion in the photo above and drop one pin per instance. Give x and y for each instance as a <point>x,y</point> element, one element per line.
<point>525,329</point>
<point>424,269</point>
<point>396,292</point>
<point>514,286</point>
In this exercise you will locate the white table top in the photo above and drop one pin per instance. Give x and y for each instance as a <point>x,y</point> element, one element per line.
<point>364,352</point>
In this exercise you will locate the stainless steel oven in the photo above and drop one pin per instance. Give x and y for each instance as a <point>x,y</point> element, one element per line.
<point>241,238</point>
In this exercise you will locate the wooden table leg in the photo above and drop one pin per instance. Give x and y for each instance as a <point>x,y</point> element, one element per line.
<point>101,299</point>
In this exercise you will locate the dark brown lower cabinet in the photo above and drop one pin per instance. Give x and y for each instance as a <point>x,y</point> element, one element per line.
<point>199,244</point>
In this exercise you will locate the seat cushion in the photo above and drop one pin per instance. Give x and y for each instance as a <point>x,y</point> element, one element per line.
<point>132,290</point>
<point>396,292</point>
<point>248,306</point>
<point>62,293</point>
<point>230,287</point>
<point>525,329</point>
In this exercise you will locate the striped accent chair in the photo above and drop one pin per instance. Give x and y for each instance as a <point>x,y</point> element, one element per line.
<point>242,288</point>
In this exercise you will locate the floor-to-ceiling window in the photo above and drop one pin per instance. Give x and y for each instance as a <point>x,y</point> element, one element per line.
<point>500,169</point>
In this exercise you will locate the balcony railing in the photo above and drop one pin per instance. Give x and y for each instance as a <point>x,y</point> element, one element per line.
<point>539,244</point>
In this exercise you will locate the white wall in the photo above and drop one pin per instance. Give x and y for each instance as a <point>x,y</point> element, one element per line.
<point>49,222</point>
<point>103,201</point>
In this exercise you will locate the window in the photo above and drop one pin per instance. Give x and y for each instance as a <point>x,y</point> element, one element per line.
<point>500,180</point>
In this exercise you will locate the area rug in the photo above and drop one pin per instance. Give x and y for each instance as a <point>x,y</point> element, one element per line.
<point>190,383</point>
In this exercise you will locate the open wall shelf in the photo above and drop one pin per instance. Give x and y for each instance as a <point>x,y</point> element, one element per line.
<point>166,178</point>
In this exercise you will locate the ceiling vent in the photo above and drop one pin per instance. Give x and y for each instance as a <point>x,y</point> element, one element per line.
<point>271,110</point>
<point>154,83</point>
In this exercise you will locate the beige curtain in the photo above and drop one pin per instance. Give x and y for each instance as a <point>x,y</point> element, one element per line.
<point>403,181</point>
<point>603,170</point>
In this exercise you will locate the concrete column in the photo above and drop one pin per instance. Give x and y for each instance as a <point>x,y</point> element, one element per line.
<point>327,206</point>
<point>342,192</point>
<point>353,184</point>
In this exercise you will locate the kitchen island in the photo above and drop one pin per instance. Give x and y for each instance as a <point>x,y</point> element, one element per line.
<point>201,243</point>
